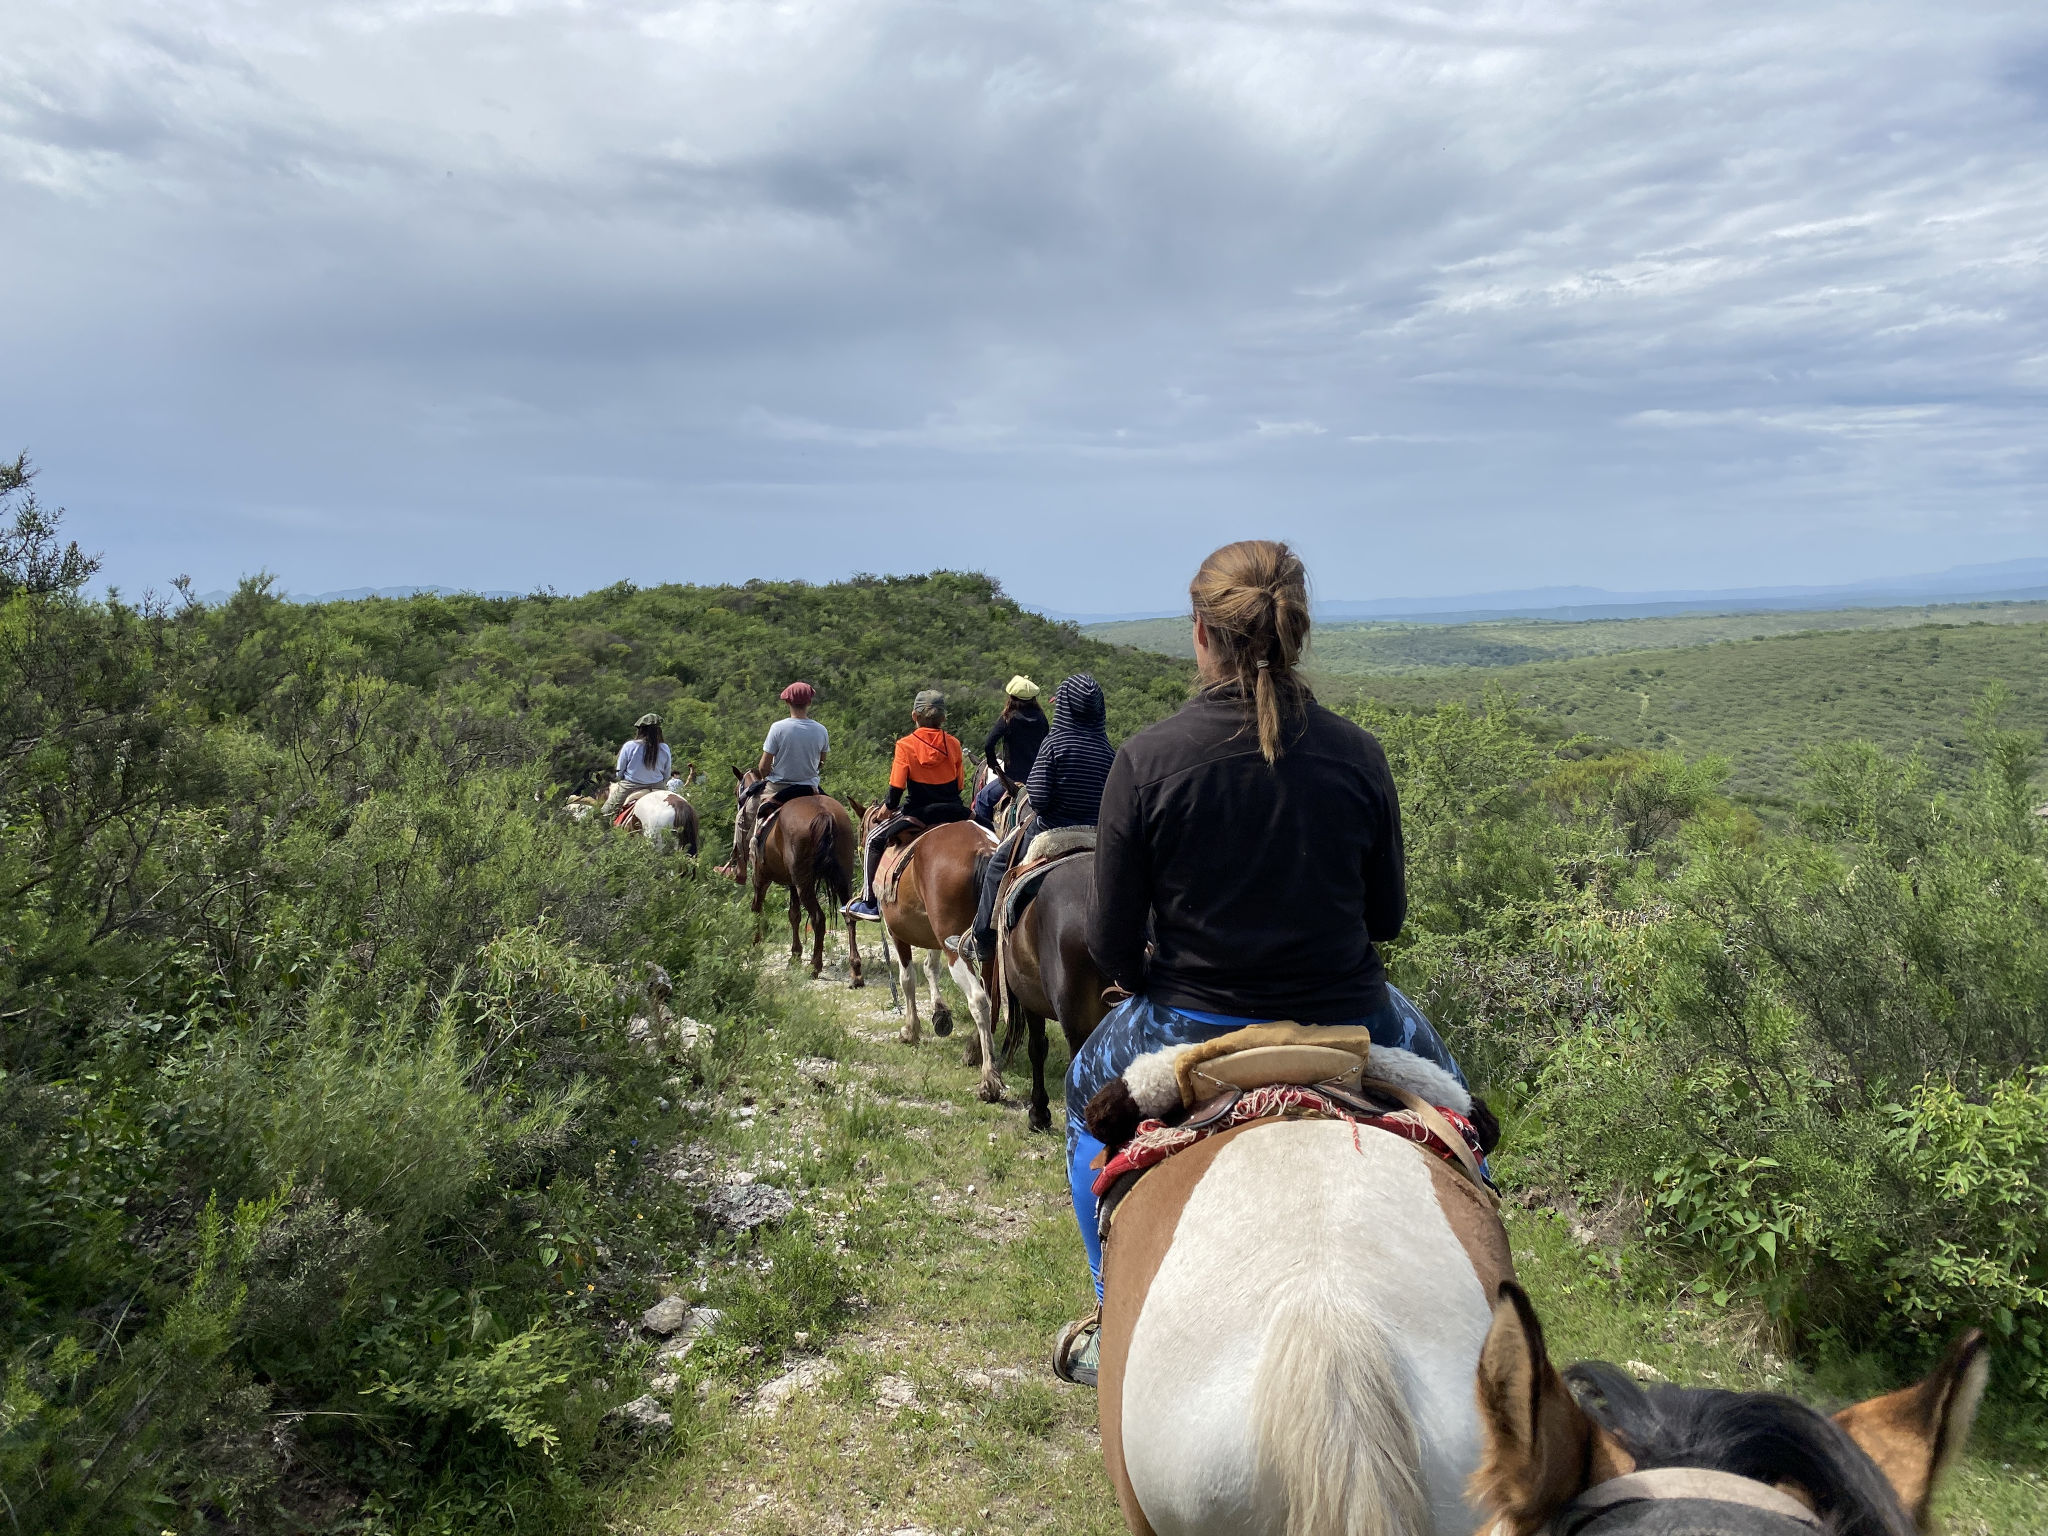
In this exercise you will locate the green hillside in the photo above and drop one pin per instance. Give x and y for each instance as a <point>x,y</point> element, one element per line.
<point>1381,648</point>
<point>1762,703</point>
<point>709,660</point>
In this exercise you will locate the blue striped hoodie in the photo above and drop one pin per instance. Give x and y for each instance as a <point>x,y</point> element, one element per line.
<point>1066,780</point>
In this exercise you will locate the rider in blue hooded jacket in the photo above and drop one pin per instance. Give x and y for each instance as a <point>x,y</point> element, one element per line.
<point>1064,786</point>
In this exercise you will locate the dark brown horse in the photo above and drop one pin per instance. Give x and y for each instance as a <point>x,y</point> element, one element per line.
<point>809,844</point>
<point>1048,973</point>
<point>926,894</point>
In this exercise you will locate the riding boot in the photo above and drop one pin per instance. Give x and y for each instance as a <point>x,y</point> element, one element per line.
<point>864,904</point>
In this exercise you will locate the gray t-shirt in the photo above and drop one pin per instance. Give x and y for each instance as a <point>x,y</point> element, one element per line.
<point>797,747</point>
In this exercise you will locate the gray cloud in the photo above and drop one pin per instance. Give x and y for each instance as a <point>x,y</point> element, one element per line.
<point>518,293</point>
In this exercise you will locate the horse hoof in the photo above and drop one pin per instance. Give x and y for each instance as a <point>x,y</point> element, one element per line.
<point>907,1036</point>
<point>942,1025</point>
<point>990,1092</point>
<point>857,983</point>
<point>1040,1120</point>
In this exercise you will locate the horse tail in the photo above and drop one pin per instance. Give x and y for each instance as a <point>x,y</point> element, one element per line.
<point>826,869</point>
<point>1335,1440</point>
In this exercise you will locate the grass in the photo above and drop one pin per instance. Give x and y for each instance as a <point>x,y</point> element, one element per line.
<point>933,1257</point>
<point>1763,703</point>
<point>1377,648</point>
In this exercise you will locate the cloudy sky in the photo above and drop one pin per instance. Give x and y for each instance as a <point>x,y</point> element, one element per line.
<point>518,292</point>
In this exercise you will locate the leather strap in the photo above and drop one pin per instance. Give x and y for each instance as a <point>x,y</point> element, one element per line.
<point>1441,1128</point>
<point>1694,1483</point>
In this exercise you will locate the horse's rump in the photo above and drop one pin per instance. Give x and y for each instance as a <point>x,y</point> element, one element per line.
<point>1291,1327</point>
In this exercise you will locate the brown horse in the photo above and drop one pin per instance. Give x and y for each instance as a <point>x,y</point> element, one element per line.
<point>1048,973</point>
<point>809,844</point>
<point>1590,1447</point>
<point>926,895</point>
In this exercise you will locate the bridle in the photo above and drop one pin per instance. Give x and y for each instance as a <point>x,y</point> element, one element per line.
<point>1659,1484</point>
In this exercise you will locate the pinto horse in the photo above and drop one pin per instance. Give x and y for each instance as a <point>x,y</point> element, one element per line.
<point>659,811</point>
<point>1293,1313</point>
<point>1591,1451</point>
<point>809,844</point>
<point>1048,973</point>
<point>926,893</point>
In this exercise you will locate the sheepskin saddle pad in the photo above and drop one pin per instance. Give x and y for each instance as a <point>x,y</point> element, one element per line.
<point>1168,1084</point>
<point>1058,842</point>
<point>1170,1099</point>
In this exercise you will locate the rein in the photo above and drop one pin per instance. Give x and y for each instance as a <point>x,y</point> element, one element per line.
<point>1660,1484</point>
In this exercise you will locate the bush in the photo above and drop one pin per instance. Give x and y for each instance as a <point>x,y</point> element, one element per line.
<point>322,1132</point>
<point>1816,1066</point>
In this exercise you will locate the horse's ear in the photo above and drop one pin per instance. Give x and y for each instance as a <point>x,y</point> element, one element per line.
<point>858,809</point>
<point>1537,1437</point>
<point>738,773</point>
<point>1915,1433</point>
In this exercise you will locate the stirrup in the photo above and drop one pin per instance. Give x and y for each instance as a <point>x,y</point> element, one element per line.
<point>967,947</point>
<point>1077,1352</point>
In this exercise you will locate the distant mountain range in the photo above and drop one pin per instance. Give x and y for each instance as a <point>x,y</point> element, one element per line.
<point>2002,581</point>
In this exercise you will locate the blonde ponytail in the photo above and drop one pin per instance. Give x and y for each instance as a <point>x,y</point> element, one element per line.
<point>1252,598</point>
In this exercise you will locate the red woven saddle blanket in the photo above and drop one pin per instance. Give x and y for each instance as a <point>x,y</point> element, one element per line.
<point>1155,1140</point>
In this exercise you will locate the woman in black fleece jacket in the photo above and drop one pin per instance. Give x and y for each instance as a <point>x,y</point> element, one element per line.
<point>1256,837</point>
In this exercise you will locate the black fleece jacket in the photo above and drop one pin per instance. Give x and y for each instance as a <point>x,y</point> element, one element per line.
<point>1019,735</point>
<point>1265,884</point>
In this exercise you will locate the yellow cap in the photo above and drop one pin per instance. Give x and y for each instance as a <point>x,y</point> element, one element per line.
<point>1021,687</point>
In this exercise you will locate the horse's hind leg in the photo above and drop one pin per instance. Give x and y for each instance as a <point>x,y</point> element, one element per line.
<point>853,952</point>
<point>1041,1111</point>
<point>942,1011</point>
<point>908,966</point>
<point>816,914</point>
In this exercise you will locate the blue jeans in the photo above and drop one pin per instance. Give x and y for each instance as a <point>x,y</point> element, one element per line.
<point>1139,1026</point>
<point>986,799</point>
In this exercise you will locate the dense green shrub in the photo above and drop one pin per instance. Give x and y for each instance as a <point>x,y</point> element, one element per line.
<point>322,1133</point>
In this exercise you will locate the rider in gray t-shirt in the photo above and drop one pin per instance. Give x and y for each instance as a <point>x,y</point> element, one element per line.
<point>793,757</point>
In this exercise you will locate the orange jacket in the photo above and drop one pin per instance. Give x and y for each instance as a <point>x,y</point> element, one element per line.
<point>926,756</point>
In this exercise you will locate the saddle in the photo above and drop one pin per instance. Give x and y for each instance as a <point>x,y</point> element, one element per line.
<point>1029,872</point>
<point>896,857</point>
<point>1171,1099</point>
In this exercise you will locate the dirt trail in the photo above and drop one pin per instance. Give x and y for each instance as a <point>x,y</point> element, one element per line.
<point>928,1409</point>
